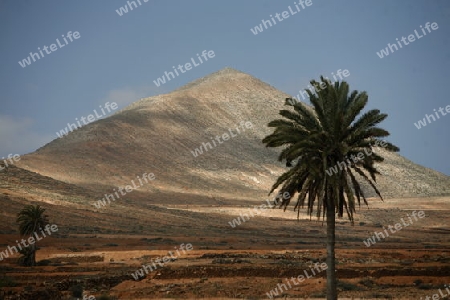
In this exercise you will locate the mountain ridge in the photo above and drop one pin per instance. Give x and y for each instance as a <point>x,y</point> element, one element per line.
<point>158,134</point>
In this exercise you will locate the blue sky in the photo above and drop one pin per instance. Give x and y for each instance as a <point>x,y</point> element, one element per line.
<point>117,58</point>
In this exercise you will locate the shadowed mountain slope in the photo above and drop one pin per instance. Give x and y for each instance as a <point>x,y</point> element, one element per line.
<point>158,135</point>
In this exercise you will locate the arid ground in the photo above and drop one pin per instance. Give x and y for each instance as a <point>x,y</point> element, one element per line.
<point>247,261</point>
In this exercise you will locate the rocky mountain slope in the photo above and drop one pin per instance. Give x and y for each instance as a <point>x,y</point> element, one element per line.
<point>160,134</point>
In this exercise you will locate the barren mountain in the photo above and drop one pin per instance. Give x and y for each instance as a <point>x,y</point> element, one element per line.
<point>159,135</point>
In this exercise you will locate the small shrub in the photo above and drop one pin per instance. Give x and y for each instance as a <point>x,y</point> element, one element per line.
<point>6,281</point>
<point>77,291</point>
<point>318,295</point>
<point>347,286</point>
<point>28,288</point>
<point>74,249</point>
<point>367,282</point>
<point>381,296</point>
<point>424,286</point>
<point>44,262</point>
<point>418,282</point>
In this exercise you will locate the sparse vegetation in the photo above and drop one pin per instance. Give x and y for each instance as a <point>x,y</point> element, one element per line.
<point>77,291</point>
<point>425,286</point>
<point>74,249</point>
<point>318,295</point>
<point>44,262</point>
<point>367,282</point>
<point>347,286</point>
<point>380,296</point>
<point>6,281</point>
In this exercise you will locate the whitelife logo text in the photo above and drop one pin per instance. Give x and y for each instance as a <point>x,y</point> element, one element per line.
<point>162,260</point>
<point>33,56</point>
<point>124,9</point>
<point>281,17</point>
<point>11,158</point>
<point>128,189</point>
<point>372,240</point>
<point>225,136</point>
<point>411,38</point>
<point>31,240</point>
<point>187,66</point>
<point>90,118</point>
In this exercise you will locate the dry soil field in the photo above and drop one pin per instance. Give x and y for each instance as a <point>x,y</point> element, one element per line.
<point>247,261</point>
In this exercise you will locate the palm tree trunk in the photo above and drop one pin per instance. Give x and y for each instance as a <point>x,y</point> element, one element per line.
<point>33,255</point>
<point>331,237</point>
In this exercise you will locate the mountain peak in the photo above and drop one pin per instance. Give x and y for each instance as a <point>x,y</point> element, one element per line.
<point>227,71</point>
<point>222,74</point>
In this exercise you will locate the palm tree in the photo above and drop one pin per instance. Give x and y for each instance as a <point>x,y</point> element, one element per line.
<point>30,219</point>
<point>328,135</point>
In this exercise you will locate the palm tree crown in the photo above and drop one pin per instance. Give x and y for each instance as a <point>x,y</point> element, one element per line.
<point>31,218</point>
<point>319,138</point>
